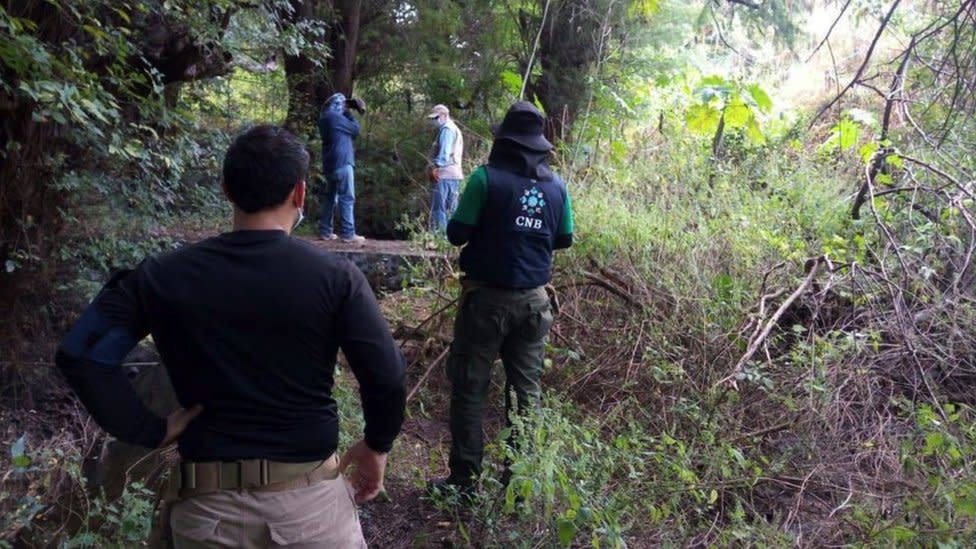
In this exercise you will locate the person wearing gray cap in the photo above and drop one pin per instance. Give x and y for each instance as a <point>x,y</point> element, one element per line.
<point>445,167</point>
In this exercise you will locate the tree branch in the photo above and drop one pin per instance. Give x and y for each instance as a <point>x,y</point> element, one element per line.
<point>754,345</point>
<point>880,157</point>
<point>423,378</point>
<point>746,3</point>
<point>864,64</point>
<point>829,31</point>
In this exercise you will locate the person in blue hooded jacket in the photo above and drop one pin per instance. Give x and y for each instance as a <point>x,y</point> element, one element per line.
<point>338,127</point>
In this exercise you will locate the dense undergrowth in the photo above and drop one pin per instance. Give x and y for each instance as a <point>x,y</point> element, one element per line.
<point>844,426</point>
<point>766,334</point>
<point>738,360</point>
<point>732,364</point>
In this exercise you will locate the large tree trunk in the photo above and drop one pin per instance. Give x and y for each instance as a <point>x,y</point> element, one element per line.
<point>308,85</point>
<point>569,47</point>
<point>345,42</point>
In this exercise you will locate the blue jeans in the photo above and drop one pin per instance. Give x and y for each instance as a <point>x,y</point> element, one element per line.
<point>444,201</point>
<point>340,190</point>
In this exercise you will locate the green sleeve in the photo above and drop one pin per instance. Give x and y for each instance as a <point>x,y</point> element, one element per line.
<point>472,198</point>
<point>566,227</point>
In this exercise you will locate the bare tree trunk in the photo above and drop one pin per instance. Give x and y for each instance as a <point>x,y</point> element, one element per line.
<point>345,42</point>
<point>718,147</point>
<point>308,85</point>
<point>307,90</point>
<point>570,46</point>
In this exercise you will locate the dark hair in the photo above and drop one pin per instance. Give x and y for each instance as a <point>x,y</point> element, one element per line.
<point>262,166</point>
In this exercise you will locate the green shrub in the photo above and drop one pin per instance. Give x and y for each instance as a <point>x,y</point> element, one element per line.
<point>57,510</point>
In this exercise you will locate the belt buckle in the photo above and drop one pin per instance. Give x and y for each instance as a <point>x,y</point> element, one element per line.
<point>229,475</point>
<point>187,476</point>
<point>253,473</point>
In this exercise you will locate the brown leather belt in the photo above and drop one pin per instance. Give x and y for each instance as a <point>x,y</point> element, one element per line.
<point>197,478</point>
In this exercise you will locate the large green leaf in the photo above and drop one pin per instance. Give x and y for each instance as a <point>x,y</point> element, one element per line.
<point>714,87</point>
<point>512,82</point>
<point>737,114</point>
<point>703,119</point>
<point>643,9</point>
<point>754,132</point>
<point>847,132</point>
<point>763,102</point>
<point>867,151</point>
<point>715,80</point>
<point>706,94</point>
<point>567,531</point>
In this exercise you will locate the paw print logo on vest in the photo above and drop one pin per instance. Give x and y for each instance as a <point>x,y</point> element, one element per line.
<point>532,202</point>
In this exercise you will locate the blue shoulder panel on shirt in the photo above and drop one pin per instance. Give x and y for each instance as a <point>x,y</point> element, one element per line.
<point>95,337</point>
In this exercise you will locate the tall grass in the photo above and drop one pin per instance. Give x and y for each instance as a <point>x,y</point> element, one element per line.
<point>665,435</point>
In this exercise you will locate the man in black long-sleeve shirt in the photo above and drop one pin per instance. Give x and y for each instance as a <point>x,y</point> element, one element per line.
<point>248,324</point>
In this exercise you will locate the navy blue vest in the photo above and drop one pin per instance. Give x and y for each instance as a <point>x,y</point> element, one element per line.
<point>511,246</point>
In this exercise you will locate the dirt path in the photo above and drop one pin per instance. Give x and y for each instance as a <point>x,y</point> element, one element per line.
<point>407,518</point>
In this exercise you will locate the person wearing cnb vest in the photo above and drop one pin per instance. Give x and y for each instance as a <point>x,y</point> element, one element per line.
<point>248,324</point>
<point>514,211</point>
<point>445,158</point>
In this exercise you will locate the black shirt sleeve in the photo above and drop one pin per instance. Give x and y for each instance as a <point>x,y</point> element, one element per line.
<point>458,233</point>
<point>563,241</point>
<point>90,357</point>
<point>376,361</point>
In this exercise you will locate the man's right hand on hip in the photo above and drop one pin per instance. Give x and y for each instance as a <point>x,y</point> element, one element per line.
<point>176,423</point>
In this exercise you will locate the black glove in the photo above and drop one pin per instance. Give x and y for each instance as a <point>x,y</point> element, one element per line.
<point>357,105</point>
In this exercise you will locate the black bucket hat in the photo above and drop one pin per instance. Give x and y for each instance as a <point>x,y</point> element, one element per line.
<point>523,124</point>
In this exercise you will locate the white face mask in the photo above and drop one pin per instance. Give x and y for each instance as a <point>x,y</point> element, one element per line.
<point>436,121</point>
<point>298,219</point>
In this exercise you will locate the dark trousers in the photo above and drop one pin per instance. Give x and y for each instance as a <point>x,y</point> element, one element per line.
<point>490,323</point>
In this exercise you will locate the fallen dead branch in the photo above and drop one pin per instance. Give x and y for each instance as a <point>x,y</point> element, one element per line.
<point>770,324</point>
<point>427,372</point>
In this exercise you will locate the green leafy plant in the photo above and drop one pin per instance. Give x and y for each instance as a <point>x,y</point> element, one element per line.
<point>847,132</point>
<point>97,521</point>
<point>721,105</point>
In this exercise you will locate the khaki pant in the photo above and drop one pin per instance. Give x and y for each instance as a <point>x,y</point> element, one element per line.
<point>320,516</point>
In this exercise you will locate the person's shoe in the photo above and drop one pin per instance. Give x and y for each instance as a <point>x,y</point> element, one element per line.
<point>332,236</point>
<point>443,486</point>
<point>354,239</point>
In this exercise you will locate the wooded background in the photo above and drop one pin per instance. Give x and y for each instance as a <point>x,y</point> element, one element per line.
<point>767,335</point>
